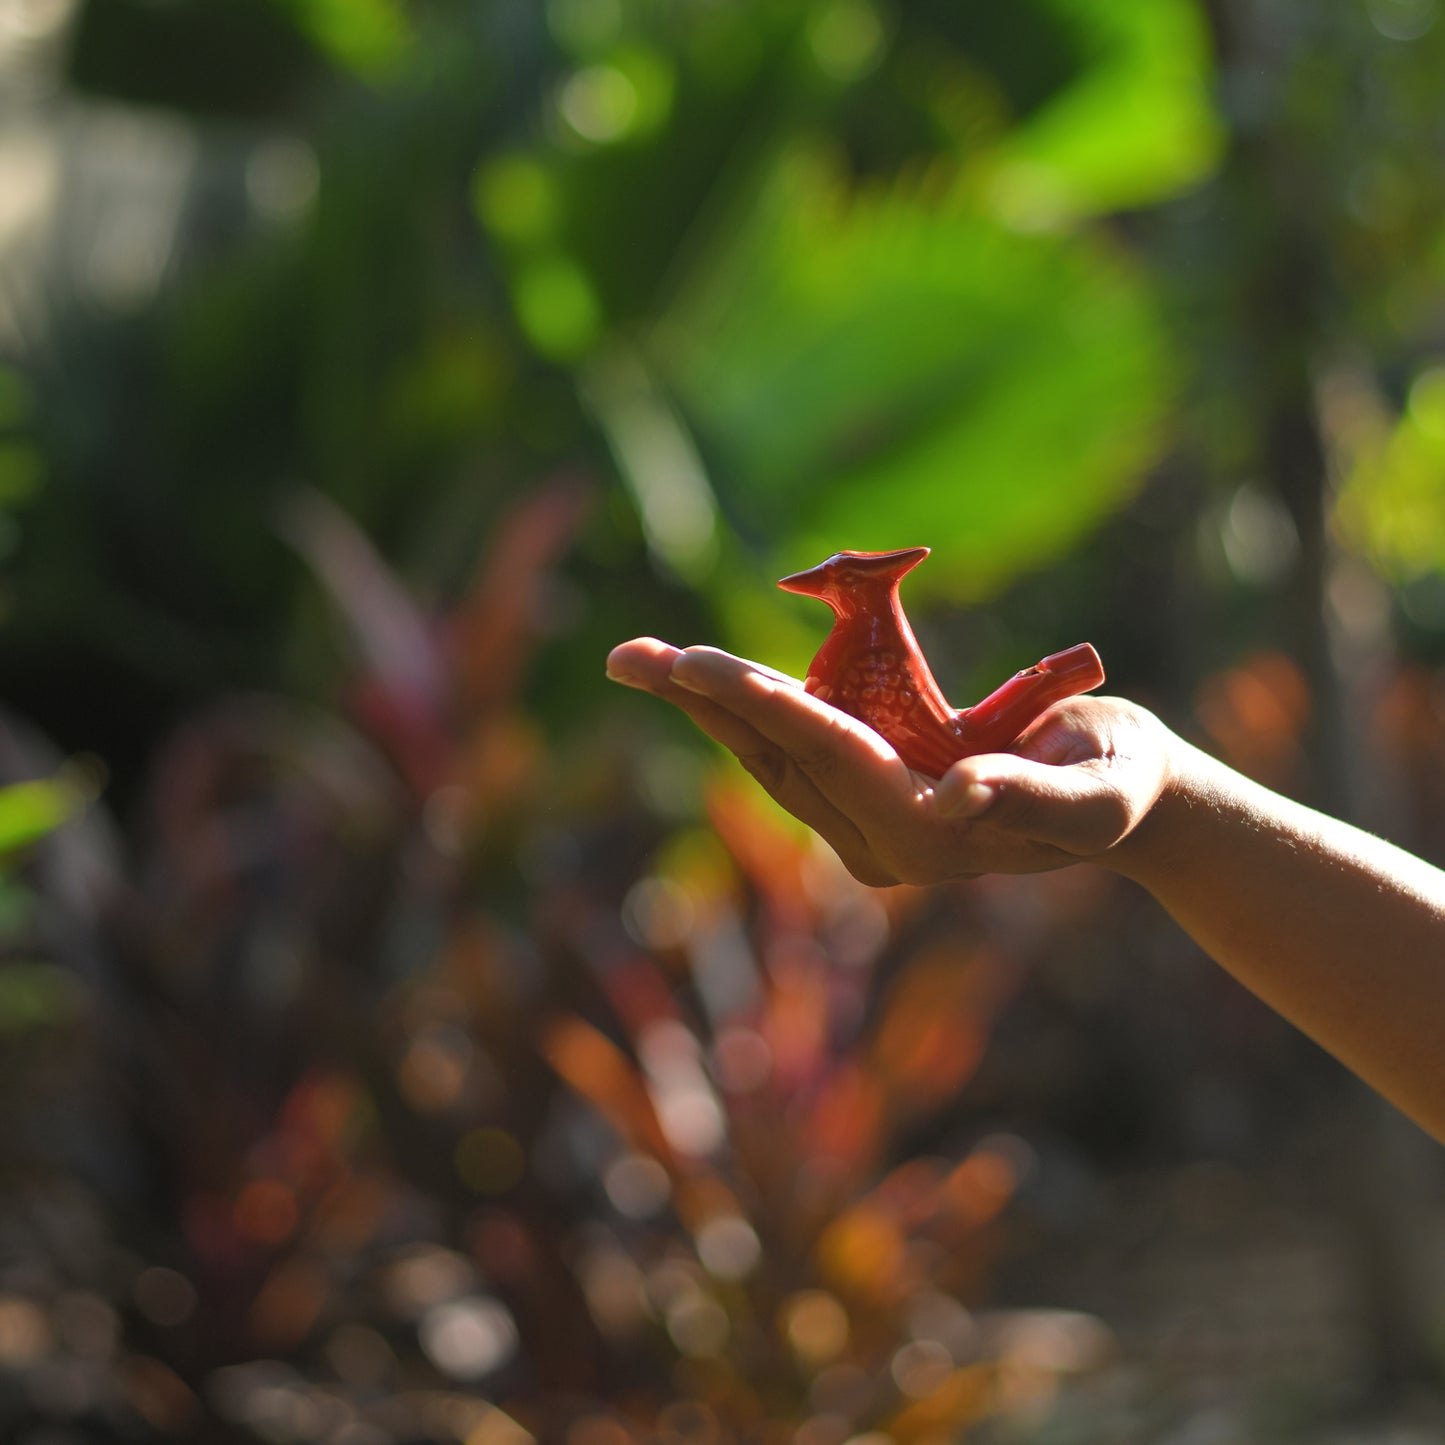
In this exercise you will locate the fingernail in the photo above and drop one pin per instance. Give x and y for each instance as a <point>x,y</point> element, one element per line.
<point>973,801</point>
<point>685,674</point>
<point>627,679</point>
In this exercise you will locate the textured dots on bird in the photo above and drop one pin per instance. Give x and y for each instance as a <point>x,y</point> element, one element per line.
<point>871,666</point>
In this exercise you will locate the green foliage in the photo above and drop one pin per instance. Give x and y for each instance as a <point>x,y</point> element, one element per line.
<point>762,266</point>
<point>369,37</point>
<point>30,811</point>
<point>860,360</point>
<point>657,300</point>
<point>876,369</point>
<point>1392,505</point>
<point>1137,126</point>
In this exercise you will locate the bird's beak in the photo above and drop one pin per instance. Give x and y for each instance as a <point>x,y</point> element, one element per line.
<point>812,583</point>
<point>846,569</point>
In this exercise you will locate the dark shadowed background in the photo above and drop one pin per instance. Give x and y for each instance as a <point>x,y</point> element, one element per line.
<point>405,1036</point>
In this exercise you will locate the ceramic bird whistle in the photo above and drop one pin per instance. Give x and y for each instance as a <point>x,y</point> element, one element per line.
<point>871,667</point>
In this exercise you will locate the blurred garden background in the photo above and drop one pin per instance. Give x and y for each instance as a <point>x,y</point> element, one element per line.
<point>407,1037</point>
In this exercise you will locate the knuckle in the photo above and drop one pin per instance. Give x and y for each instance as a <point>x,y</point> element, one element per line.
<point>1016,808</point>
<point>818,763</point>
<point>765,768</point>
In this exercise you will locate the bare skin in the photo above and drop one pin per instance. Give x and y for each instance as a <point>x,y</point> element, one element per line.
<point>1340,932</point>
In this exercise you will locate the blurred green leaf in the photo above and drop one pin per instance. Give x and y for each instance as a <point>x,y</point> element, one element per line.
<point>21,470</point>
<point>1136,126</point>
<point>1392,504</point>
<point>880,371</point>
<point>658,463</point>
<point>28,811</point>
<point>367,37</point>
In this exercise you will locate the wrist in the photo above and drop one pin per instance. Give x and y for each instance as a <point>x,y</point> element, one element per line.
<point>1159,845</point>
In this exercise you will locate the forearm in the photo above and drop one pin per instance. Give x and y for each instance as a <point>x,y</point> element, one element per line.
<point>1340,932</point>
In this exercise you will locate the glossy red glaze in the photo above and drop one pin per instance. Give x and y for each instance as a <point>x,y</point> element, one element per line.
<point>871,667</point>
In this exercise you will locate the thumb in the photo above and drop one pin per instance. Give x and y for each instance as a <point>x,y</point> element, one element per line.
<point>1078,807</point>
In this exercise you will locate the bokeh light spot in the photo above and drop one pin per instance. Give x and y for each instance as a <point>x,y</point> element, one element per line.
<point>698,1325</point>
<point>846,39</point>
<point>687,1108</point>
<point>469,1338</point>
<point>24,1331</point>
<point>360,1356</point>
<point>557,307</point>
<point>658,913</point>
<point>863,1250</point>
<point>982,1184</point>
<point>425,1276</point>
<point>816,1326</point>
<point>921,1367</point>
<point>637,1186</point>
<point>1403,19</point>
<point>33,19</point>
<point>1053,1341</point>
<point>615,1292</point>
<point>516,199</point>
<point>282,178</point>
<point>599,103</point>
<point>434,1068</point>
<point>729,1247</point>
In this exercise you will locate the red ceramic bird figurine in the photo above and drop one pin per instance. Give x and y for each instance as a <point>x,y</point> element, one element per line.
<point>870,666</point>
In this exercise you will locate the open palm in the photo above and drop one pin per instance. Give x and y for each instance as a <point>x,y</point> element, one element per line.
<point>1073,787</point>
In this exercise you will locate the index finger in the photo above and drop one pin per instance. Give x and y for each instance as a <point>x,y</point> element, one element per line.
<point>850,764</point>
<point>647,662</point>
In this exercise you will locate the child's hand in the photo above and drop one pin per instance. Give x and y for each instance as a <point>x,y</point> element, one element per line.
<point>1075,786</point>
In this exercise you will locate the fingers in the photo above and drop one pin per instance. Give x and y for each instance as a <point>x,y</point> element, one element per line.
<point>648,663</point>
<point>848,763</point>
<point>1083,808</point>
<point>647,659</point>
